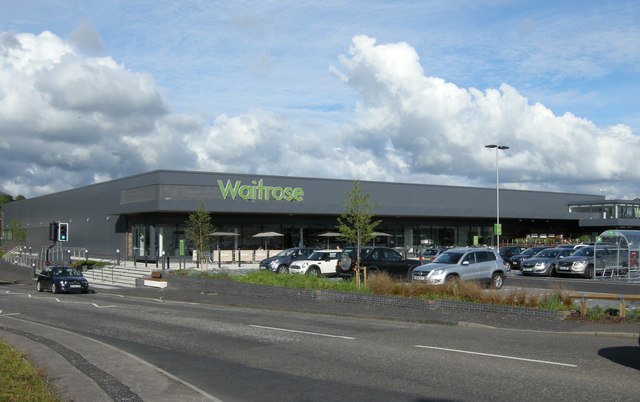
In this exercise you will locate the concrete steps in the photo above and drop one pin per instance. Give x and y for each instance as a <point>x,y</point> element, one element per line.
<point>118,275</point>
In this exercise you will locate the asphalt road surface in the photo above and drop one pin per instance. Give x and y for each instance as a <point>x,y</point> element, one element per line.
<point>241,353</point>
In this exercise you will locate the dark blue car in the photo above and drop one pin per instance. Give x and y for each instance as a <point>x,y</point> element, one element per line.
<point>61,279</point>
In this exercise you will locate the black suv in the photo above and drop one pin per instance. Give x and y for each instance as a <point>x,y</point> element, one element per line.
<point>376,259</point>
<point>280,262</point>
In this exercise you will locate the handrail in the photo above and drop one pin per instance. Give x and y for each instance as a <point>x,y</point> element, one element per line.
<point>584,296</point>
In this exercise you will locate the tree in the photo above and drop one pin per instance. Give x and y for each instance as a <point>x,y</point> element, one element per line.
<point>199,229</point>
<point>17,232</point>
<point>4,198</point>
<point>355,224</point>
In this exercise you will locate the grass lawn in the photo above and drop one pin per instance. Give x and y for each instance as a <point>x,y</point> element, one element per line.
<point>19,380</point>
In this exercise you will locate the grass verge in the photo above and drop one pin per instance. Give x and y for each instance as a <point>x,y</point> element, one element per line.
<point>19,380</point>
<point>383,284</point>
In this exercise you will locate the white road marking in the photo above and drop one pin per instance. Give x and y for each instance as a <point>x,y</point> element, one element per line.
<point>302,332</point>
<point>97,306</point>
<point>29,295</point>
<point>498,356</point>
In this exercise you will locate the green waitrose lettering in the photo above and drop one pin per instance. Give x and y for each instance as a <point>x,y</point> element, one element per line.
<point>258,191</point>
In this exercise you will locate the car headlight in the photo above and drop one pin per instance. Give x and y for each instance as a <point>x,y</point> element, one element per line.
<point>63,283</point>
<point>273,264</point>
<point>580,263</point>
<point>540,264</point>
<point>437,272</point>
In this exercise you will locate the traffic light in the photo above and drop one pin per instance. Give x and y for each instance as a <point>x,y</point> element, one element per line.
<point>63,231</point>
<point>53,231</point>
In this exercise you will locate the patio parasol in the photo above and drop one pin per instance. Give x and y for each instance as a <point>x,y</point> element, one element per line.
<point>267,234</point>
<point>218,235</point>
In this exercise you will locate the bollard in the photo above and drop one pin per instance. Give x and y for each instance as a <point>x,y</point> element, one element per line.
<point>623,307</point>
<point>583,305</point>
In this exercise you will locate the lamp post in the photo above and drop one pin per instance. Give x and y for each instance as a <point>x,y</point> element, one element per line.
<point>498,229</point>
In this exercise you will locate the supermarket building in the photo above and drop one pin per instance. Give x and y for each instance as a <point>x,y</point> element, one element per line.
<point>145,215</point>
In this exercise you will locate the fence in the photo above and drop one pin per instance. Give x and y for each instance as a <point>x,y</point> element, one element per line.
<point>584,297</point>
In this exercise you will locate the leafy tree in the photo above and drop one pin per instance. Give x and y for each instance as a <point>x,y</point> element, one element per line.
<point>356,224</point>
<point>17,232</point>
<point>19,197</point>
<point>4,198</point>
<point>199,229</point>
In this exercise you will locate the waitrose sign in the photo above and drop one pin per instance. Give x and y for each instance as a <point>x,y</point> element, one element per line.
<point>258,191</point>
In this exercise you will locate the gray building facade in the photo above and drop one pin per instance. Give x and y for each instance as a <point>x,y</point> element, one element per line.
<point>145,215</point>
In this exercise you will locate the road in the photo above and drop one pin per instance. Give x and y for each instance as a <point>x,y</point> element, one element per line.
<point>250,354</point>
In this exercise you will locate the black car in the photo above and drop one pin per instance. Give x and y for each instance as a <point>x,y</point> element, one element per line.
<point>516,260</point>
<point>506,252</point>
<point>61,279</point>
<point>376,259</point>
<point>280,262</point>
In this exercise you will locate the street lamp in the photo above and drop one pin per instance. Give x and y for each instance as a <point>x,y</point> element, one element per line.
<point>498,229</point>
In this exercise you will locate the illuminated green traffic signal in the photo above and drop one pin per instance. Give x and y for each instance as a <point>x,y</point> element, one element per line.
<point>63,231</point>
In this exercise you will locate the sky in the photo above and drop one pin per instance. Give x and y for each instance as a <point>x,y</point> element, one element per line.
<point>394,91</point>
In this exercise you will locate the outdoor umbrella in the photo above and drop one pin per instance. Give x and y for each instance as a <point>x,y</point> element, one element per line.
<point>329,234</point>
<point>379,234</point>
<point>267,234</point>
<point>218,235</point>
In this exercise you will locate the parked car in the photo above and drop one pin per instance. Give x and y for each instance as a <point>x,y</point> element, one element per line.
<point>467,264</point>
<point>376,259</point>
<point>506,252</point>
<point>319,263</point>
<point>280,262</point>
<point>430,254</point>
<point>584,259</point>
<point>516,260</point>
<point>545,262</point>
<point>61,279</point>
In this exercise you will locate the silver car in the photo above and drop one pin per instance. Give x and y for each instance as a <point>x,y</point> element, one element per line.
<point>545,262</point>
<point>468,264</point>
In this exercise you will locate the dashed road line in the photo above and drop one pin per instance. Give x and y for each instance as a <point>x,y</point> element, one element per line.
<point>497,356</point>
<point>302,332</point>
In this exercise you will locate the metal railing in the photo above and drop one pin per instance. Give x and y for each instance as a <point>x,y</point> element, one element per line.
<point>584,297</point>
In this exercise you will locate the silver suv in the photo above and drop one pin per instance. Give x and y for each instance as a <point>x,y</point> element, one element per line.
<point>468,264</point>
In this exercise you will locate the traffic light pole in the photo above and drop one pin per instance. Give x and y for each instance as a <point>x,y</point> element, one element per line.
<point>47,262</point>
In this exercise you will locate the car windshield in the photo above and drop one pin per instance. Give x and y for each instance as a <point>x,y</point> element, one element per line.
<point>318,255</point>
<point>285,253</point>
<point>530,251</point>
<point>62,271</point>
<point>430,252</point>
<point>449,257</point>
<point>548,253</point>
<point>584,252</point>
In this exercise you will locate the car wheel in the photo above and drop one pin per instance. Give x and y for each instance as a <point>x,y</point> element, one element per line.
<point>313,271</point>
<point>54,288</point>
<point>39,286</point>
<point>345,263</point>
<point>452,279</point>
<point>497,280</point>
<point>588,272</point>
<point>283,269</point>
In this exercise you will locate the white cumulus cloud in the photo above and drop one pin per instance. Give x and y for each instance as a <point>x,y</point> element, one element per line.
<point>68,120</point>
